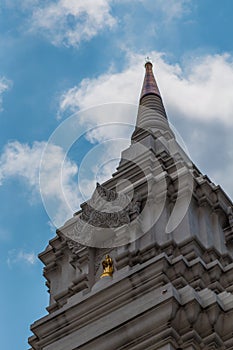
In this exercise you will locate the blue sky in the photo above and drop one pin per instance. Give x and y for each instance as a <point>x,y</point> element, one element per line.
<point>59,57</point>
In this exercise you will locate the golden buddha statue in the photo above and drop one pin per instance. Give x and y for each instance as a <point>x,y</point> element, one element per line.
<point>108,268</point>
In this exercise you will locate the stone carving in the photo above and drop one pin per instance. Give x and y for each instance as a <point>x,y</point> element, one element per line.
<point>102,220</point>
<point>74,247</point>
<point>109,209</point>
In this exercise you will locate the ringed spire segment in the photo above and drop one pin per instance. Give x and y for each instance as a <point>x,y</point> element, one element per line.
<point>150,86</point>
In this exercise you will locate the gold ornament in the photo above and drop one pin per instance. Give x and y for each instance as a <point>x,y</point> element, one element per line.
<point>108,268</point>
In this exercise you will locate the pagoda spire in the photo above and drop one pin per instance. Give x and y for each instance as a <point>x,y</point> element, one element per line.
<point>150,86</point>
<point>151,116</point>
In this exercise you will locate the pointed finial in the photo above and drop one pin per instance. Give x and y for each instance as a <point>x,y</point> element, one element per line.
<point>148,60</point>
<point>108,268</point>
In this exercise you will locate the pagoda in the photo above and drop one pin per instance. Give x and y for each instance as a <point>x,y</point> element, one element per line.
<point>147,265</point>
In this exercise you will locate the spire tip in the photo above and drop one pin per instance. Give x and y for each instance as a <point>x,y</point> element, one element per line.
<point>149,85</point>
<point>148,60</point>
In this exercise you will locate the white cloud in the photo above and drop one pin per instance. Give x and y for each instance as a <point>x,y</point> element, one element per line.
<point>173,9</point>
<point>5,85</point>
<point>23,161</point>
<point>200,89</point>
<point>16,256</point>
<point>123,87</point>
<point>68,22</point>
<point>30,258</point>
<point>110,98</point>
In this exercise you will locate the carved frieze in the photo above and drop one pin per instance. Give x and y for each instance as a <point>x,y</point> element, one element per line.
<point>109,209</point>
<point>108,219</point>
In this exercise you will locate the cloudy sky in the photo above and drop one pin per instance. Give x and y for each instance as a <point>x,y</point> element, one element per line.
<point>61,57</point>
